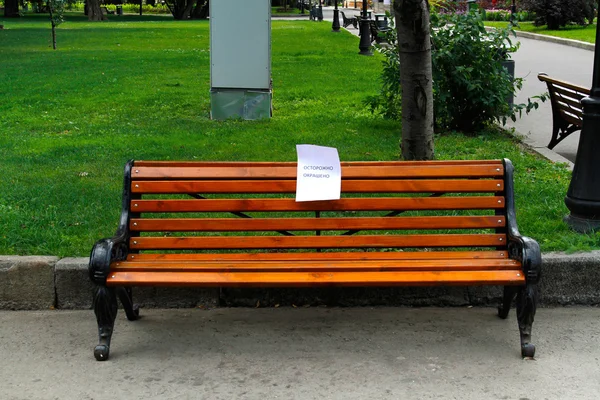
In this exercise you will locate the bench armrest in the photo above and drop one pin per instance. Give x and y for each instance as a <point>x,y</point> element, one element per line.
<point>527,251</point>
<point>520,248</point>
<point>103,253</point>
<point>106,251</point>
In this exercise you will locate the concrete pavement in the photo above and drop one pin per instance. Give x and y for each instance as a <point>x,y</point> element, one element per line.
<point>559,61</point>
<point>301,353</point>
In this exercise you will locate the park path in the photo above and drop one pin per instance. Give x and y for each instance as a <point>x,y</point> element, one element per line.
<point>301,353</point>
<point>559,61</point>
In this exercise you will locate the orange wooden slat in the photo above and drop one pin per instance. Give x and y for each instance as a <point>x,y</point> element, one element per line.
<point>348,186</point>
<point>317,242</point>
<point>304,279</point>
<point>345,204</point>
<point>318,266</point>
<point>311,224</point>
<point>197,164</point>
<point>309,256</point>
<point>424,170</point>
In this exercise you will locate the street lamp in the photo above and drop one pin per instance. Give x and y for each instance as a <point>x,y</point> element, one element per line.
<point>365,32</point>
<point>583,196</point>
<point>513,12</point>
<point>335,26</point>
<point>320,10</point>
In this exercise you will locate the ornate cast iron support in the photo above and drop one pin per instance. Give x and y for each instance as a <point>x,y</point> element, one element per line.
<point>104,252</point>
<point>126,296</point>
<point>509,294</point>
<point>526,306</point>
<point>527,252</point>
<point>105,308</point>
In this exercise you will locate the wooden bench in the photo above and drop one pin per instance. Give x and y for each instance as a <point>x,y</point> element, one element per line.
<point>567,111</point>
<point>106,11</point>
<point>349,21</point>
<point>375,30</point>
<point>237,224</point>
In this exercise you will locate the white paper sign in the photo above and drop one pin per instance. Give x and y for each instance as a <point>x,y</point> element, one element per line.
<point>319,173</point>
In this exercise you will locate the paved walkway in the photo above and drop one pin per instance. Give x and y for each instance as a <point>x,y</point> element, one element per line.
<point>534,56</point>
<point>301,353</point>
<point>559,61</point>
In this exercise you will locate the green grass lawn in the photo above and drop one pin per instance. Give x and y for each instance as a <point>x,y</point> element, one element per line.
<point>576,32</point>
<point>139,88</point>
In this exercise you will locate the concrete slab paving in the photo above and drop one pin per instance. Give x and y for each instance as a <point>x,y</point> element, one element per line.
<point>301,353</point>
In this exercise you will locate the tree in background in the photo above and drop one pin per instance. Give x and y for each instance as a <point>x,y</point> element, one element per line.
<point>93,10</point>
<point>56,8</point>
<point>414,50</point>
<point>557,13</point>
<point>186,9</point>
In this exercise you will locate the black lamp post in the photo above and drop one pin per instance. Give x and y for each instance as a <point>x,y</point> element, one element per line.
<point>365,32</point>
<point>302,6</point>
<point>320,10</point>
<point>335,26</point>
<point>513,13</point>
<point>583,196</point>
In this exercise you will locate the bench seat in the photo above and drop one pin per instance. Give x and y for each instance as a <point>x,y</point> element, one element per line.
<point>237,224</point>
<point>347,271</point>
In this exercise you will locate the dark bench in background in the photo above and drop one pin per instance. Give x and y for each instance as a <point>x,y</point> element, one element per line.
<point>349,21</point>
<point>567,112</point>
<point>237,224</point>
<point>106,11</point>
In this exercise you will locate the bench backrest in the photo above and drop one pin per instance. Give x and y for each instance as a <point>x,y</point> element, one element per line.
<point>566,99</point>
<point>207,206</point>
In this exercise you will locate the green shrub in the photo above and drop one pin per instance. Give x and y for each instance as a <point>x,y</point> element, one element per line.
<point>557,13</point>
<point>470,84</point>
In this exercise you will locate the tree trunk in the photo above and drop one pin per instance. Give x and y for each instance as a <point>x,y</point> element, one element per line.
<point>181,9</point>
<point>414,46</point>
<point>201,9</point>
<point>51,12</point>
<point>11,9</point>
<point>94,12</point>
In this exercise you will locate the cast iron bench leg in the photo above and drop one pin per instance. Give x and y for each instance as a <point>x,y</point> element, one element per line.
<point>526,306</point>
<point>131,310</point>
<point>105,308</point>
<point>509,294</point>
<point>527,297</point>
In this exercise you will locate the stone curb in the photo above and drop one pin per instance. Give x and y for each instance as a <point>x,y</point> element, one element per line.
<point>551,39</point>
<point>557,40</point>
<point>38,283</point>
